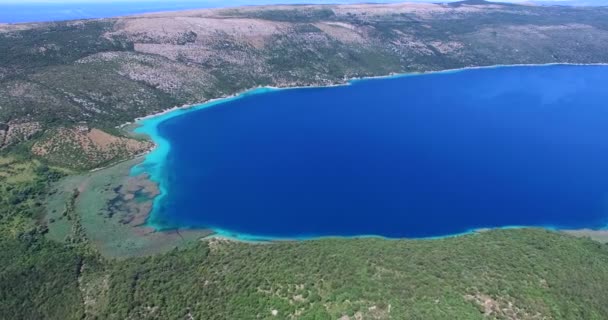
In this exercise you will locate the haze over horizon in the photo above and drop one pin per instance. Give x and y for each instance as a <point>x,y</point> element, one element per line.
<point>13,11</point>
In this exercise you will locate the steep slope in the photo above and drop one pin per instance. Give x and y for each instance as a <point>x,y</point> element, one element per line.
<point>109,71</point>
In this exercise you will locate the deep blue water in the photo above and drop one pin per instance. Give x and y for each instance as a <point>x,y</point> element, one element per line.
<point>414,156</point>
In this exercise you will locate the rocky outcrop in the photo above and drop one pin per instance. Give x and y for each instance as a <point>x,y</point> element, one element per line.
<point>17,131</point>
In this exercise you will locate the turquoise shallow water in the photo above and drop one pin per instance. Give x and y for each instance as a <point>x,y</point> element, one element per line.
<point>408,156</point>
<point>154,163</point>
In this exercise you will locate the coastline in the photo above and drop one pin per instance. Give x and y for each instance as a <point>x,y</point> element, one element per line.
<point>599,235</point>
<point>152,163</point>
<point>248,238</point>
<point>345,82</point>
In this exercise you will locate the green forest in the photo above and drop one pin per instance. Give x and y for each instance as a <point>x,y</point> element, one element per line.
<point>500,274</point>
<point>79,78</point>
<point>497,274</point>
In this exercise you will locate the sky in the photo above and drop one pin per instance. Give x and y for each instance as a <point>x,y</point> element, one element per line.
<point>231,2</point>
<point>15,11</point>
<point>219,3</point>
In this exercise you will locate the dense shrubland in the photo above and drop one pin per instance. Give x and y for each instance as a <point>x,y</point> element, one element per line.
<point>79,76</point>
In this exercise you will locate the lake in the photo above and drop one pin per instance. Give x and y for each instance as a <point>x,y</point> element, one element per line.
<point>409,156</point>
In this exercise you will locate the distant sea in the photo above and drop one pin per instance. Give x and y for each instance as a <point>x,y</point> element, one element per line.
<point>409,156</point>
<point>27,11</point>
<point>12,11</point>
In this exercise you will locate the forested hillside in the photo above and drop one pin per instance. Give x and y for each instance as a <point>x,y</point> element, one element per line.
<point>501,274</point>
<point>102,73</point>
<point>66,87</point>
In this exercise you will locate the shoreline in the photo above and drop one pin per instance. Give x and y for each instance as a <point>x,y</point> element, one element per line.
<point>346,82</point>
<point>149,122</point>
<point>600,235</point>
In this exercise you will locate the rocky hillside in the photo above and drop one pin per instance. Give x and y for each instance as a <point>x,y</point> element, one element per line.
<point>65,86</point>
<point>110,71</point>
<point>81,147</point>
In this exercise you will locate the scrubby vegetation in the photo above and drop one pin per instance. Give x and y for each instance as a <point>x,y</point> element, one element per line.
<point>82,148</point>
<point>501,274</point>
<point>65,86</point>
<point>23,186</point>
<point>107,72</point>
<point>534,275</point>
<point>38,279</point>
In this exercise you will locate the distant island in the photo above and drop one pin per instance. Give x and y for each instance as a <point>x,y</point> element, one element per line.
<point>73,235</point>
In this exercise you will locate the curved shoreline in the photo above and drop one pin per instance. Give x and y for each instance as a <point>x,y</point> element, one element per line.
<point>153,160</point>
<point>346,82</point>
<point>243,237</point>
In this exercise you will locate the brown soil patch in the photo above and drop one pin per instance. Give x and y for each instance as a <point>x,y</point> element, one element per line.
<point>16,131</point>
<point>66,146</point>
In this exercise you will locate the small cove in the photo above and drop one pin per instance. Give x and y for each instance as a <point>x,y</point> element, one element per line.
<point>408,156</point>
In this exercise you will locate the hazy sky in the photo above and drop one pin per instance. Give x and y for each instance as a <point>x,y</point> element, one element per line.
<point>219,3</point>
<point>14,11</point>
<point>251,1</point>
